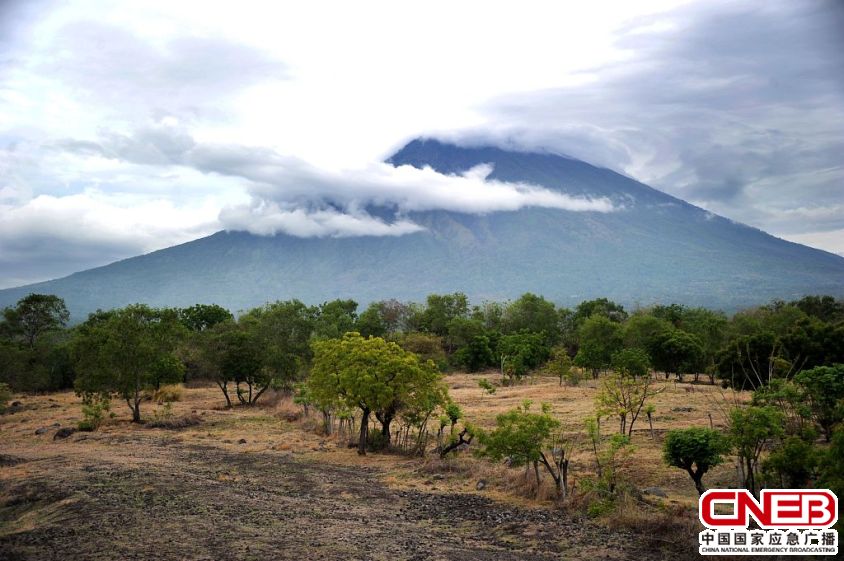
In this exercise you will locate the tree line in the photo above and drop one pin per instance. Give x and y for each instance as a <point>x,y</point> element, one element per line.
<point>383,367</point>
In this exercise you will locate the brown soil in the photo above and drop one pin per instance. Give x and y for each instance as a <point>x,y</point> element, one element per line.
<point>134,492</point>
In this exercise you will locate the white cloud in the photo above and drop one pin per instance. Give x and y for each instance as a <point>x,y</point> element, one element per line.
<point>289,195</point>
<point>164,99</point>
<point>268,218</point>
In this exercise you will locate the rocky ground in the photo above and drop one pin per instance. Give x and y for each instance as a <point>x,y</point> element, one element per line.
<point>159,497</point>
<point>261,483</point>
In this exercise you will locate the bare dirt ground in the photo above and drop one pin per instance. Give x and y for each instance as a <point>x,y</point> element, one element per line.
<point>248,484</point>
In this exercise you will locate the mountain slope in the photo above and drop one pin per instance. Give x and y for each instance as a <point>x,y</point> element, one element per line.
<point>656,249</point>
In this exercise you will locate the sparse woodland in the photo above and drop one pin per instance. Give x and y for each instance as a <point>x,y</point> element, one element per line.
<point>377,380</point>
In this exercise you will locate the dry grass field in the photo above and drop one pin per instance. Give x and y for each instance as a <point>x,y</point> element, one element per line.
<point>258,483</point>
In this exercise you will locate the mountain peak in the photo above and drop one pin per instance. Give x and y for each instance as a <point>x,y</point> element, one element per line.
<point>656,248</point>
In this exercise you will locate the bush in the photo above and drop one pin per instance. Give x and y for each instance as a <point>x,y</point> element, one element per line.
<point>792,465</point>
<point>486,386</point>
<point>574,377</point>
<point>94,409</point>
<point>375,440</point>
<point>168,394</point>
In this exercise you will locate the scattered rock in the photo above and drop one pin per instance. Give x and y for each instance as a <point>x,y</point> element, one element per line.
<point>654,491</point>
<point>63,433</point>
<point>481,485</point>
<point>42,430</point>
<point>16,404</point>
<point>683,409</point>
<point>438,477</point>
<point>242,441</point>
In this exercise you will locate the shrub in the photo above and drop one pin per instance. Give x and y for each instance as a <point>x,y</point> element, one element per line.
<point>486,385</point>
<point>168,394</point>
<point>94,409</point>
<point>792,465</point>
<point>376,440</point>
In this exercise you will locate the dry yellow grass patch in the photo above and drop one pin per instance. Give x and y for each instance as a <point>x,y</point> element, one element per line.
<point>265,429</point>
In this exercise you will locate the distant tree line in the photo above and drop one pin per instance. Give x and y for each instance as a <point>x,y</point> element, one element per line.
<point>270,346</point>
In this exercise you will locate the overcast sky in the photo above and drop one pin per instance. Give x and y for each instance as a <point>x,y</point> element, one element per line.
<point>127,127</point>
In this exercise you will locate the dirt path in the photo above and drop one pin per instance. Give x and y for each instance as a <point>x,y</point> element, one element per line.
<point>159,498</point>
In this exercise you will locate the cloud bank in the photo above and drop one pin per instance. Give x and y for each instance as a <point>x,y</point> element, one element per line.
<point>128,127</point>
<point>291,196</point>
<point>735,107</point>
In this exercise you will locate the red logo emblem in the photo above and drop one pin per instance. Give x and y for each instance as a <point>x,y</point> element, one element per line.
<point>776,508</point>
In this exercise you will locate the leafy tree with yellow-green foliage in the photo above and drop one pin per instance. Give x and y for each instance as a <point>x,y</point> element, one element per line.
<point>373,375</point>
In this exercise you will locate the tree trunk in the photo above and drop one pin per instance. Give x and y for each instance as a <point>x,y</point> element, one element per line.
<point>750,481</point>
<point>364,431</point>
<point>257,395</point>
<point>224,388</point>
<point>136,410</point>
<point>697,477</point>
<point>651,423</point>
<point>385,418</point>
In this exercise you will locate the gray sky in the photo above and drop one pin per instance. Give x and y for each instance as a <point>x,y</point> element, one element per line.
<point>127,127</point>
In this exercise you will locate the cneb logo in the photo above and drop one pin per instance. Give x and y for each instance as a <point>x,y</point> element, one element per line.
<point>777,508</point>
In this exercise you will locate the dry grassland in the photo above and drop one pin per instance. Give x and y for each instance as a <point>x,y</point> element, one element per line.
<point>255,482</point>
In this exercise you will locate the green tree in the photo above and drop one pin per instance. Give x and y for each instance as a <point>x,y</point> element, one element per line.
<point>631,362</point>
<point>677,352</point>
<point>200,317</point>
<point>476,355</point>
<point>372,375</point>
<point>282,334</point>
<point>534,314</point>
<point>519,353</point>
<point>831,464</point>
<point>791,465</point>
<point>599,307</point>
<point>33,316</point>
<point>530,438</point>
<point>643,330</point>
<point>710,328</point>
<point>441,309</point>
<point>824,394</point>
<point>335,318</point>
<point>751,429</point>
<point>625,396</point>
<point>752,361</point>
<point>696,450</point>
<point>559,365</point>
<point>126,351</point>
<point>461,331</point>
<point>825,308</point>
<point>425,345</point>
<point>600,337</point>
